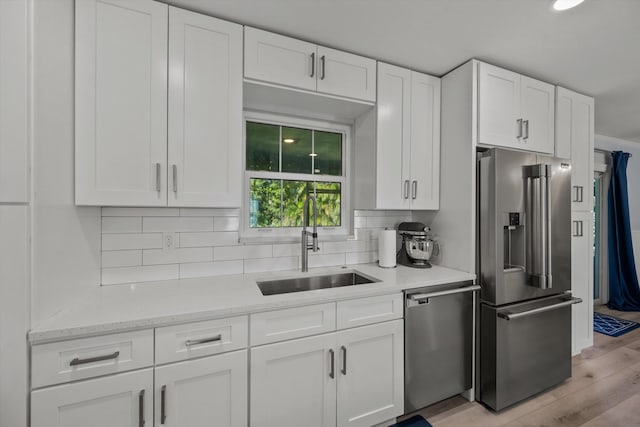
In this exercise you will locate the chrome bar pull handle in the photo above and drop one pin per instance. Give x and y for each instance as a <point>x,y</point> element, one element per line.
<point>313,64</point>
<point>519,123</point>
<point>214,338</point>
<point>414,190</point>
<point>77,361</point>
<point>406,189</point>
<point>163,404</point>
<point>332,364</point>
<point>344,360</point>
<point>322,67</point>
<point>512,316</point>
<point>581,193</point>
<point>577,194</point>
<point>174,169</point>
<point>141,409</point>
<point>526,129</point>
<point>158,184</point>
<point>578,230</point>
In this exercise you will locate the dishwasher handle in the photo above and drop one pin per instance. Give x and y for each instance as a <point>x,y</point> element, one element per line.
<point>422,297</point>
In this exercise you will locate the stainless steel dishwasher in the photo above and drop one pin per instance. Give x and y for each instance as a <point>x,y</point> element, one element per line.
<point>438,337</point>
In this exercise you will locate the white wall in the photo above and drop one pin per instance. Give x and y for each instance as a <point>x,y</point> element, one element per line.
<point>66,239</point>
<point>633,178</point>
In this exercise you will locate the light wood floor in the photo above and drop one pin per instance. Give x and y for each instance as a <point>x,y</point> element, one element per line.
<point>604,391</point>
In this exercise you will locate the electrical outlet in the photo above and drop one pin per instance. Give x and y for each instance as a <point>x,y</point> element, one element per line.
<point>170,241</point>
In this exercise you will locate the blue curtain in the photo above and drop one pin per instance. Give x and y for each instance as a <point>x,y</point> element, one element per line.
<point>624,292</point>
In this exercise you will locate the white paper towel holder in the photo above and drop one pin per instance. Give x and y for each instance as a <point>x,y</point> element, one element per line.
<point>378,261</point>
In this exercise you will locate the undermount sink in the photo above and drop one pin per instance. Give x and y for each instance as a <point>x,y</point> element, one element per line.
<point>308,283</point>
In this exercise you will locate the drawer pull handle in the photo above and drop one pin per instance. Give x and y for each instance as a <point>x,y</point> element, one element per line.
<point>189,343</point>
<point>344,360</point>
<point>332,363</point>
<point>78,361</point>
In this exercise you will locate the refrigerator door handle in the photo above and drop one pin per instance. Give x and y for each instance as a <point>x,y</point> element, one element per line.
<point>512,316</point>
<point>538,224</point>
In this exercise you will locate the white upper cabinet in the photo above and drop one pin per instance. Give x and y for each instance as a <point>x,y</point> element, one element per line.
<point>575,141</point>
<point>205,110</point>
<point>345,74</point>
<point>425,141</point>
<point>123,400</point>
<point>121,102</point>
<point>515,111</point>
<point>280,60</point>
<point>407,140</point>
<point>370,374</point>
<point>211,391</point>
<point>136,144</point>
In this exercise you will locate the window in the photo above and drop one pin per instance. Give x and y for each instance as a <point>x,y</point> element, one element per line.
<point>286,160</point>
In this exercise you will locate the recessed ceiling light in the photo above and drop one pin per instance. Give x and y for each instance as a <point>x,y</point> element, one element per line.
<point>313,155</point>
<point>288,140</point>
<point>566,4</point>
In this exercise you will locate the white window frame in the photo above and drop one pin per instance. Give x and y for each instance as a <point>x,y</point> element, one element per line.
<point>293,233</point>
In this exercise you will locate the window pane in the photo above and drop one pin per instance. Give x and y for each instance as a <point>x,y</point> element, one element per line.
<point>328,160</point>
<point>263,147</point>
<point>294,194</point>
<point>264,209</point>
<point>296,150</point>
<point>328,195</point>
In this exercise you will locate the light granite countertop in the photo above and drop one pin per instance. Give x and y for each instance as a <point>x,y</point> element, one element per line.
<point>119,308</point>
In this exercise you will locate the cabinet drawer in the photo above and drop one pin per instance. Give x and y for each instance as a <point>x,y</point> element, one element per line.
<point>364,311</point>
<point>280,325</point>
<point>65,361</point>
<point>181,342</point>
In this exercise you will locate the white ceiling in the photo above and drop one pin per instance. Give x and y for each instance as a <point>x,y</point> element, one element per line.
<point>593,49</point>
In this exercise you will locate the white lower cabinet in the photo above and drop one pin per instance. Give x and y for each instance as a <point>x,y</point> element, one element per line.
<point>347,378</point>
<point>370,374</point>
<point>123,400</point>
<point>582,280</point>
<point>204,392</point>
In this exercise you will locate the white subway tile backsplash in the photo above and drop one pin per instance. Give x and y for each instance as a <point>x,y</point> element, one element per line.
<point>270,264</point>
<point>147,273</point>
<point>177,224</point>
<point>111,242</point>
<point>222,238</point>
<point>205,269</point>
<point>209,212</point>
<point>121,258</point>
<point>121,224</point>
<point>325,260</point>
<point>140,211</point>
<point>206,243</point>
<point>361,257</point>
<point>226,223</point>
<point>176,256</point>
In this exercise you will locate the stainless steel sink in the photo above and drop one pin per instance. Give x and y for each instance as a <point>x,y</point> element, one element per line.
<point>308,283</point>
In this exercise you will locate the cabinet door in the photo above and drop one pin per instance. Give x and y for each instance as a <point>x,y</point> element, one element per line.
<point>344,74</point>
<point>425,141</point>
<point>582,279</point>
<point>205,111</point>
<point>393,152</point>
<point>115,400</point>
<point>574,140</point>
<point>273,58</point>
<point>538,113</point>
<point>498,106</point>
<point>121,103</point>
<point>204,392</point>
<point>292,384</point>
<point>370,374</point>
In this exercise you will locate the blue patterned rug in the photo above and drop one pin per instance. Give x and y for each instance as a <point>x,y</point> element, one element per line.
<point>415,421</point>
<point>612,326</point>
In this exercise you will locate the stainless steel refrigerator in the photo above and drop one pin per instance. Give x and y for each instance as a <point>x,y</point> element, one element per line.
<point>524,265</point>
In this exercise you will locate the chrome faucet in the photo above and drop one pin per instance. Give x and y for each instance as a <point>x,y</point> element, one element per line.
<point>304,243</point>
